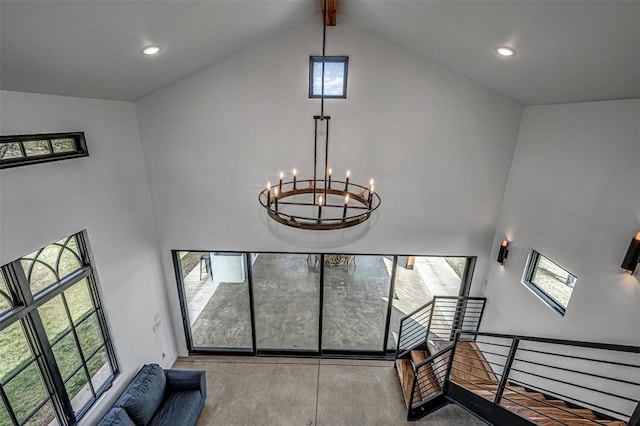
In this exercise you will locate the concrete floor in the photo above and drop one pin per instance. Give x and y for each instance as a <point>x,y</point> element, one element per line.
<point>290,391</point>
<point>286,297</point>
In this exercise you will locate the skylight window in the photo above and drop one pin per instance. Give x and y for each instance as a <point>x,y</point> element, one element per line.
<point>335,76</point>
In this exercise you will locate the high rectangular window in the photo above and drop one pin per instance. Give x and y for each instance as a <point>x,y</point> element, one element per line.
<point>335,76</point>
<point>550,281</point>
<point>56,357</point>
<point>22,150</point>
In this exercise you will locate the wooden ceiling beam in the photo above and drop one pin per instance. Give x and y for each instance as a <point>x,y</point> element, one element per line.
<point>331,12</point>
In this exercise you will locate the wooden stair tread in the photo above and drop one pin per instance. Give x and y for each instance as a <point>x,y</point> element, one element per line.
<point>405,372</point>
<point>529,404</point>
<point>428,384</point>
<point>418,356</point>
<point>470,364</point>
<point>568,415</point>
<point>435,346</point>
<point>471,370</point>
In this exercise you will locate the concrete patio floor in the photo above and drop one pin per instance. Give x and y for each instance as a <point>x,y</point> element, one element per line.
<point>286,298</point>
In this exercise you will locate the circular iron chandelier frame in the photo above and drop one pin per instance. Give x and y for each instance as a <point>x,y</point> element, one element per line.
<point>366,203</point>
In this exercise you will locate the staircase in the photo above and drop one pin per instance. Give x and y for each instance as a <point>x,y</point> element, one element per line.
<point>512,380</point>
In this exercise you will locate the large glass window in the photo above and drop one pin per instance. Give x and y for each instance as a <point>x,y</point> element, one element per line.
<point>216,291</point>
<point>550,281</point>
<point>286,293</point>
<point>56,357</point>
<point>418,279</point>
<point>356,294</point>
<point>310,304</point>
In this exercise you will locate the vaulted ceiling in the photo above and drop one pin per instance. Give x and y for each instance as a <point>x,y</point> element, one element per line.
<point>567,51</point>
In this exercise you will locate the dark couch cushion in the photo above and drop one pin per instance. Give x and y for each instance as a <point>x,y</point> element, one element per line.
<point>116,416</point>
<point>144,395</point>
<point>180,408</point>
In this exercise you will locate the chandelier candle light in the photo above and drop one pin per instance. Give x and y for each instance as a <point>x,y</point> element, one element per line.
<point>321,203</point>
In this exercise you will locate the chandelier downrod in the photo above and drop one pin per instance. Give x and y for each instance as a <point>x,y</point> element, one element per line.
<point>287,201</point>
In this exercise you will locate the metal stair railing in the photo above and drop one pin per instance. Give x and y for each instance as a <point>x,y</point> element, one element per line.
<point>438,320</point>
<point>435,321</point>
<point>552,380</point>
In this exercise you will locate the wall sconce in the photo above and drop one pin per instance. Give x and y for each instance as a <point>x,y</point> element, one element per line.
<point>503,253</point>
<point>632,258</point>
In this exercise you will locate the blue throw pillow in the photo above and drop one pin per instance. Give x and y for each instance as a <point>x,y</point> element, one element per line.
<point>144,395</point>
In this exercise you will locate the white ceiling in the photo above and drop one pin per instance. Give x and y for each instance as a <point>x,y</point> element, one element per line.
<point>568,51</point>
<point>91,48</point>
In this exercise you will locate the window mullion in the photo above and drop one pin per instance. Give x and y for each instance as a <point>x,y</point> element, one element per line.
<point>40,345</point>
<point>4,399</point>
<point>83,359</point>
<point>92,281</point>
<point>49,368</point>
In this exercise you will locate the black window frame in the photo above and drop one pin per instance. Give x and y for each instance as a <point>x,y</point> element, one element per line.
<point>25,312</point>
<point>387,353</point>
<point>335,59</point>
<point>528,280</point>
<point>79,148</point>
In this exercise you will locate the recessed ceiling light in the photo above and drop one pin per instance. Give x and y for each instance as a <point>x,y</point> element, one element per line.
<point>505,51</point>
<point>151,50</point>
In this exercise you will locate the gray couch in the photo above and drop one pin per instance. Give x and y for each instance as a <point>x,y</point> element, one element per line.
<point>159,397</point>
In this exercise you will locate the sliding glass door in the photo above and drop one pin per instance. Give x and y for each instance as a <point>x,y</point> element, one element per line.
<point>308,304</point>
<point>216,298</point>
<point>356,295</point>
<point>286,293</point>
<point>419,278</point>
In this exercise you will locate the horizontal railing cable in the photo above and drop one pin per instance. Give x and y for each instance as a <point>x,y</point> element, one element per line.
<point>553,364</point>
<point>548,404</point>
<point>569,399</point>
<point>574,385</point>
<point>570,370</point>
<point>603,361</point>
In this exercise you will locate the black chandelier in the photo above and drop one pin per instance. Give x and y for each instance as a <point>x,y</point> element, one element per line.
<point>320,203</point>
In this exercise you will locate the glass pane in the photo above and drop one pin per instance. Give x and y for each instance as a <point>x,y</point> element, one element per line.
<point>356,293</point>
<point>68,263</point>
<point>89,335</point>
<point>5,420</point>
<point>25,391</point>
<point>217,294</point>
<point>99,368</point>
<point>78,300</point>
<point>14,350</point>
<point>418,279</point>
<point>35,148</point>
<point>286,294</point>
<point>62,145</point>
<point>54,317</point>
<point>5,297</point>
<point>79,390</point>
<point>72,245</point>
<point>554,280</point>
<point>44,417</point>
<point>10,150</point>
<point>42,275</point>
<point>67,356</point>
<point>333,78</point>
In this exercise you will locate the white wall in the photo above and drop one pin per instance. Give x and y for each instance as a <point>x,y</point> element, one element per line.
<point>574,195</point>
<point>438,144</point>
<point>107,194</point>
